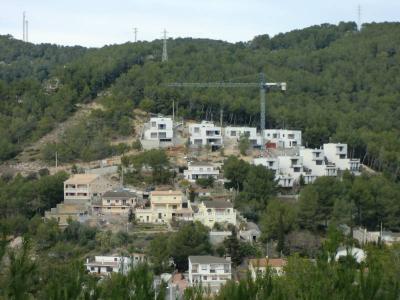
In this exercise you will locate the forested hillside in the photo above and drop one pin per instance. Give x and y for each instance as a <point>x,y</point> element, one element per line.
<point>343,85</point>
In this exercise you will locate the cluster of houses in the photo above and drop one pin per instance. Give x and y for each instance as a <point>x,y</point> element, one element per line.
<point>89,194</point>
<point>291,165</point>
<point>285,154</point>
<point>210,271</point>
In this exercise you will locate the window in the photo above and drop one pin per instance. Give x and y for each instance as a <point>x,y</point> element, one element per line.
<point>342,156</point>
<point>233,133</point>
<point>204,267</point>
<point>115,258</point>
<point>174,207</point>
<point>275,135</point>
<point>214,278</point>
<point>153,135</point>
<point>196,129</point>
<point>91,268</point>
<point>153,124</point>
<point>319,162</point>
<point>109,269</point>
<point>204,277</point>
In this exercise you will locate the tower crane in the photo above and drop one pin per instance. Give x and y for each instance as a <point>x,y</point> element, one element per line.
<point>262,85</point>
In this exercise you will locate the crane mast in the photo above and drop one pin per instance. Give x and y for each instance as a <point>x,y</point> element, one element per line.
<point>263,86</point>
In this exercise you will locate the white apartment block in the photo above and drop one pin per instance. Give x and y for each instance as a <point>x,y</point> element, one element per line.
<point>283,138</point>
<point>209,271</point>
<point>237,132</point>
<point>205,133</point>
<point>315,163</point>
<point>165,206</point>
<point>288,169</point>
<point>159,129</point>
<point>198,170</point>
<point>81,188</point>
<point>216,211</point>
<point>105,265</point>
<point>336,153</point>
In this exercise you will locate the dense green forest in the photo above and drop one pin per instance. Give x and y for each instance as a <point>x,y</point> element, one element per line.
<point>342,86</point>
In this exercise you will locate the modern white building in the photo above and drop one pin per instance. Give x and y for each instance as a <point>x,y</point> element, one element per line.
<point>105,265</point>
<point>198,170</point>
<point>205,133</point>
<point>215,211</point>
<point>315,163</point>
<point>235,133</point>
<point>159,129</point>
<point>209,271</point>
<point>336,153</point>
<point>288,169</point>
<point>283,138</point>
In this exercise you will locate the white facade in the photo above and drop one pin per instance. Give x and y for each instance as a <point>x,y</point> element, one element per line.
<point>288,169</point>
<point>237,132</point>
<point>209,271</point>
<point>159,129</point>
<point>205,133</point>
<point>216,211</point>
<point>198,170</point>
<point>316,164</point>
<point>337,154</point>
<point>283,138</point>
<point>105,265</point>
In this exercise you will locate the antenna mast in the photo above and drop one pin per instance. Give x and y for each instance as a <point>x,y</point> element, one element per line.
<point>26,31</point>
<point>359,17</point>
<point>135,32</point>
<point>23,26</point>
<point>164,52</point>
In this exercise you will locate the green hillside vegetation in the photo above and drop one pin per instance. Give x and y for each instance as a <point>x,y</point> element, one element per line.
<point>40,86</point>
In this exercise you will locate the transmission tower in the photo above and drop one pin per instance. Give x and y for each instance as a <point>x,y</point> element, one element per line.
<point>23,26</point>
<point>26,31</point>
<point>359,17</point>
<point>135,32</point>
<point>164,51</point>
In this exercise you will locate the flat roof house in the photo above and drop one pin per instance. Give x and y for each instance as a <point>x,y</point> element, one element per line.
<point>198,170</point>
<point>209,271</point>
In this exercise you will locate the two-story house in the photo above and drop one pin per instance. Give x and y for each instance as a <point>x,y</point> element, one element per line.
<point>165,206</point>
<point>216,211</point>
<point>205,133</point>
<point>199,169</point>
<point>283,138</point>
<point>209,271</point>
<point>336,153</point>
<point>80,193</point>
<point>316,164</point>
<point>80,188</point>
<point>236,132</point>
<point>105,265</point>
<point>118,202</point>
<point>159,129</point>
